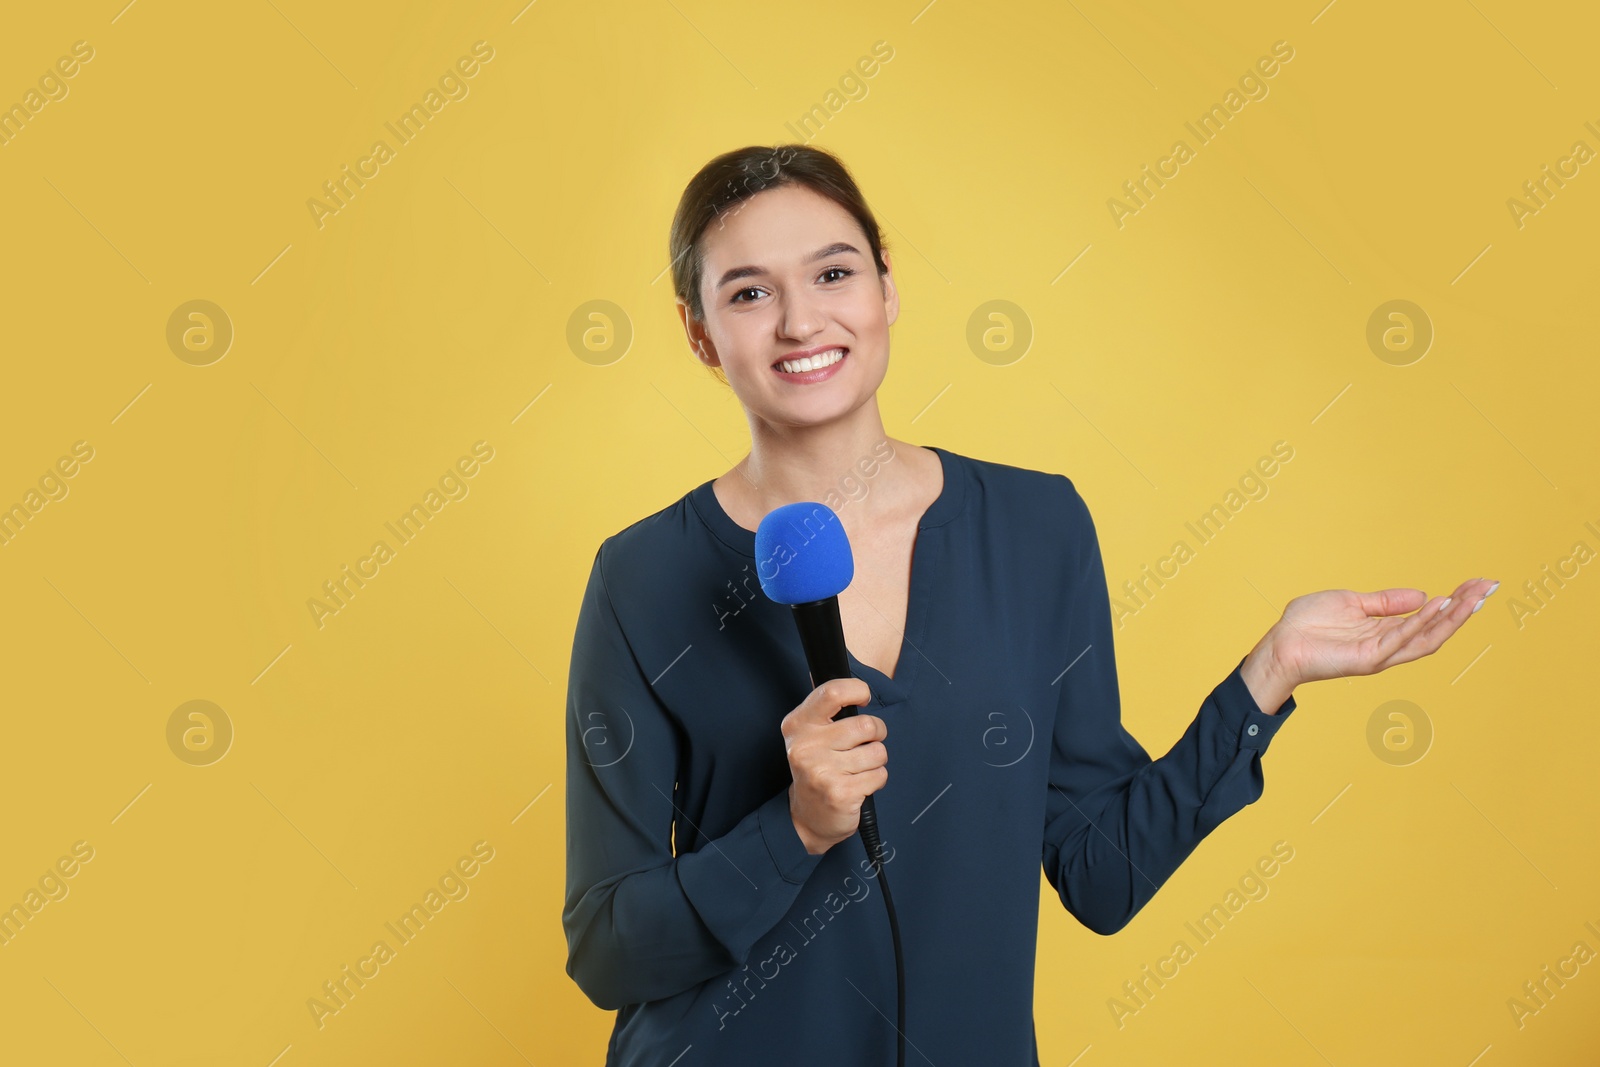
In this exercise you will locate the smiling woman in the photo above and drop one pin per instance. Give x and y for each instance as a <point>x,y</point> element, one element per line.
<point>979,592</point>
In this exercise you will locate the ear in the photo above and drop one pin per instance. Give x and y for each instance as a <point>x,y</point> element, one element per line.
<point>891,294</point>
<point>699,341</point>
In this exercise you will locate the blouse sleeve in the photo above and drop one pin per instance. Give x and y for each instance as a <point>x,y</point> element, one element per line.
<point>641,922</point>
<point>1117,823</point>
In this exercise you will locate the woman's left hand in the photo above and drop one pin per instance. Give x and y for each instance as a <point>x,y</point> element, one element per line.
<point>1338,633</point>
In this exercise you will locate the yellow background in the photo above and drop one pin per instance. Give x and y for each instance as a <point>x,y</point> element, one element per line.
<point>432,312</point>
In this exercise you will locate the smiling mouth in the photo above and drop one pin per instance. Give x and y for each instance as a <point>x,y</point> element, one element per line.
<point>810,363</point>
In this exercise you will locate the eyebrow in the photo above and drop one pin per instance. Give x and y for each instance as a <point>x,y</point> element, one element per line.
<point>838,248</point>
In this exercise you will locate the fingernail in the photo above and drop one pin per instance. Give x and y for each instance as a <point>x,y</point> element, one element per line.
<point>1444,603</point>
<point>1476,606</point>
<point>1492,588</point>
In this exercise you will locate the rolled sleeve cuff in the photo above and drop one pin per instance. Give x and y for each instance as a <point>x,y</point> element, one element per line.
<point>1243,717</point>
<point>742,884</point>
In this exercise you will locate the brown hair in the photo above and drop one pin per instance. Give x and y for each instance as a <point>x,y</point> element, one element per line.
<point>733,177</point>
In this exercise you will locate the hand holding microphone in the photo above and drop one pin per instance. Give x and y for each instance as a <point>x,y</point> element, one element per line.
<point>836,763</point>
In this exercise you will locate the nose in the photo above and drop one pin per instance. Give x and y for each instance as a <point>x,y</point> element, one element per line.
<point>802,317</point>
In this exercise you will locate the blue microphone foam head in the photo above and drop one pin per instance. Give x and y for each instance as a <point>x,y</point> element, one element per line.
<point>802,554</point>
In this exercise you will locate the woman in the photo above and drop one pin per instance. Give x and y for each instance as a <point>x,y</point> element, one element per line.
<point>716,893</point>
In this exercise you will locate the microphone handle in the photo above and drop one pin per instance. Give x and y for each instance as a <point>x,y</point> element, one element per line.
<point>822,636</point>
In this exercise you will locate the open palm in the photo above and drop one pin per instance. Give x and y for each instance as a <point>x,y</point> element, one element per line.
<point>1338,633</point>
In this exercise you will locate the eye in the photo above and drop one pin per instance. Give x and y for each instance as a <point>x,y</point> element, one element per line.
<point>846,271</point>
<point>735,298</point>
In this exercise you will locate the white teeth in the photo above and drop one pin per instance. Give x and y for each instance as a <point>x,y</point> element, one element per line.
<point>800,366</point>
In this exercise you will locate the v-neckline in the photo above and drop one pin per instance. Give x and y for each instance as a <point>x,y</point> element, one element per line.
<point>924,562</point>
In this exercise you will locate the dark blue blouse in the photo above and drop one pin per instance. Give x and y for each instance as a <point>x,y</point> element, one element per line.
<point>693,909</point>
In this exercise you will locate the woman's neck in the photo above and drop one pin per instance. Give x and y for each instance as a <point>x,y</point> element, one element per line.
<point>828,464</point>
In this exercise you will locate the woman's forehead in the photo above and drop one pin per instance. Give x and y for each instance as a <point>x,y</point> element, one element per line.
<point>777,228</point>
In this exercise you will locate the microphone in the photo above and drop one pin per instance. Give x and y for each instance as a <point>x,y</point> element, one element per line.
<point>804,548</point>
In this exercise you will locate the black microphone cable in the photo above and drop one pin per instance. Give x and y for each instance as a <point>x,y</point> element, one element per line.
<point>870,837</point>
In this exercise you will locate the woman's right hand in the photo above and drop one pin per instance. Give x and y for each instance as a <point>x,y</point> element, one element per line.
<point>835,764</point>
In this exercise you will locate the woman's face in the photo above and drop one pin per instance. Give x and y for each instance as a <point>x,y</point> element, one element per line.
<point>788,273</point>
